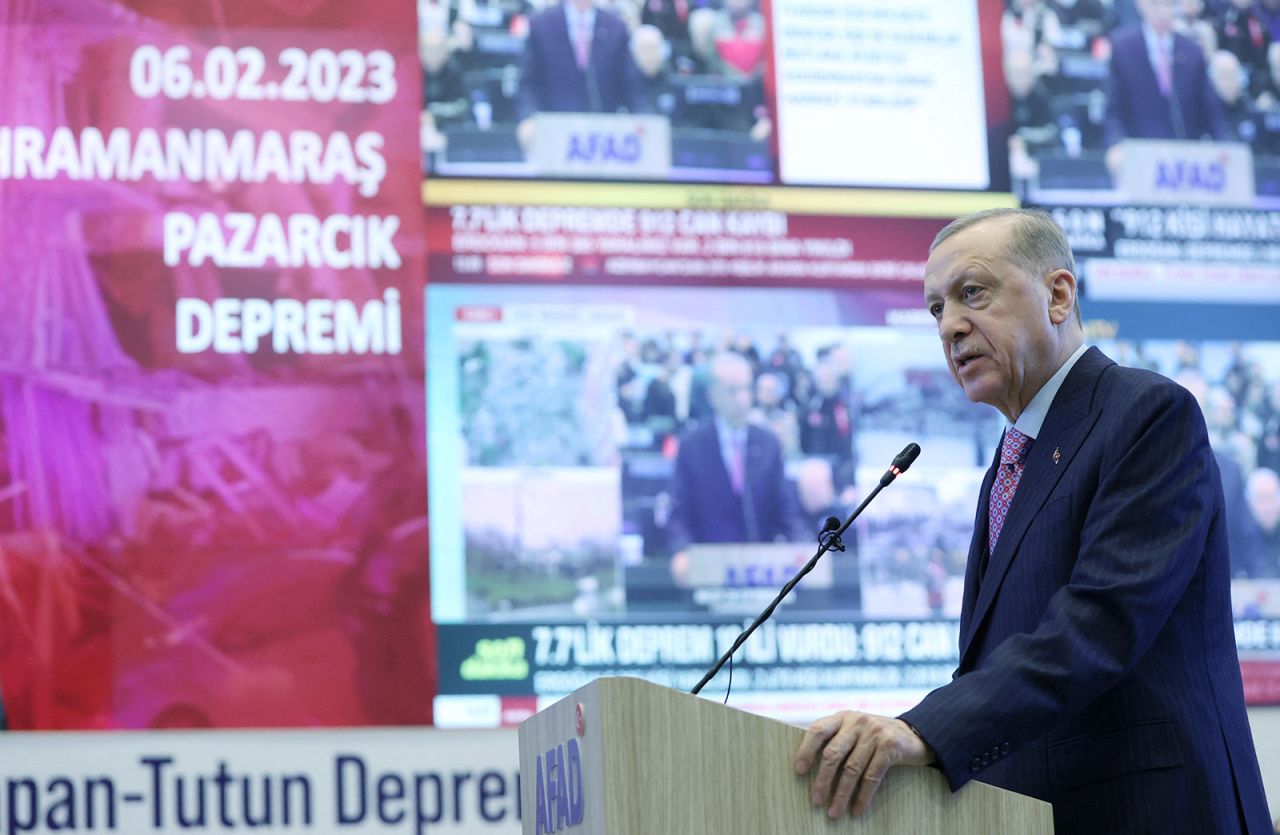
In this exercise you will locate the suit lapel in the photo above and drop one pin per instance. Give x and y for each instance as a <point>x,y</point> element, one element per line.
<point>1180,65</point>
<point>1180,68</point>
<point>566,45</point>
<point>1148,71</point>
<point>722,472</point>
<point>1065,428</point>
<point>754,445</point>
<point>977,545</point>
<point>599,35</point>
<point>751,465</point>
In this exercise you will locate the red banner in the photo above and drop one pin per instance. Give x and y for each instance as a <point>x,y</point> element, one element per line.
<point>576,244</point>
<point>212,486</point>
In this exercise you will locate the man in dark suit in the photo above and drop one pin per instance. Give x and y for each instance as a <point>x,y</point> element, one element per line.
<point>729,484</point>
<point>577,59</point>
<point>1159,87</point>
<point>1242,31</point>
<point>1098,666</point>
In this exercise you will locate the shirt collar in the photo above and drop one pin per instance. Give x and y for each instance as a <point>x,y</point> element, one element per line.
<point>574,18</point>
<point>728,435</point>
<point>1156,42</point>
<point>1032,417</point>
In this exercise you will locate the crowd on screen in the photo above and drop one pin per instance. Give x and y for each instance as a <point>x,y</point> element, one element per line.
<point>812,404</point>
<point>1078,77</point>
<point>1241,408</point>
<point>811,407</point>
<point>490,63</point>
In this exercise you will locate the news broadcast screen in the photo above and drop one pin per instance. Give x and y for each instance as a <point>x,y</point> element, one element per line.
<point>729,91</point>
<point>570,473</point>
<point>1092,121</point>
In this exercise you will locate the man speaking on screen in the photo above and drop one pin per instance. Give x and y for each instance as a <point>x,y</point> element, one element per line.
<point>729,484</point>
<point>1098,667</point>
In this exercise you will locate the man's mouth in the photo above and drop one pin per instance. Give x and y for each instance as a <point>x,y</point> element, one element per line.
<point>962,360</point>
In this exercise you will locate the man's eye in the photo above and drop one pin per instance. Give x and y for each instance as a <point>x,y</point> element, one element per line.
<point>971,291</point>
<point>935,310</point>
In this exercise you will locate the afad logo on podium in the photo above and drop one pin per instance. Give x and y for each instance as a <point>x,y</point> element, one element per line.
<point>1159,172</point>
<point>559,793</point>
<point>1185,176</point>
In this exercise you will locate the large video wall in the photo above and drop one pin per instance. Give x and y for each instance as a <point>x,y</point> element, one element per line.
<point>573,332</point>
<point>358,361</point>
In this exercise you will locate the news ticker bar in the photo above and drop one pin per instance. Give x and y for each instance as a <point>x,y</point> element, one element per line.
<point>791,199</point>
<point>888,656</point>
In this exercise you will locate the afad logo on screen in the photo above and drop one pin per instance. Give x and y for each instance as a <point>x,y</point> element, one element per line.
<point>1187,176</point>
<point>597,146</point>
<point>559,793</point>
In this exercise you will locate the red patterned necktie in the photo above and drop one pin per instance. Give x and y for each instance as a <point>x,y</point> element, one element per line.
<point>582,44</point>
<point>737,463</point>
<point>1164,70</point>
<point>1013,454</point>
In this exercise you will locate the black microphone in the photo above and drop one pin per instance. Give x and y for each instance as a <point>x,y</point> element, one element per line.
<point>828,536</point>
<point>828,540</point>
<point>899,466</point>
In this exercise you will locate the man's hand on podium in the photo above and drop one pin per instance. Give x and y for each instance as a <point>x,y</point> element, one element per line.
<point>854,752</point>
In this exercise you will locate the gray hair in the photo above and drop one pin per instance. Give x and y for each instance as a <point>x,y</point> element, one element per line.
<point>1036,243</point>
<point>727,362</point>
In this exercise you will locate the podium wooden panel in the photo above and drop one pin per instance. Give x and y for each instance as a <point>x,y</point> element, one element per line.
<point>629,756</point>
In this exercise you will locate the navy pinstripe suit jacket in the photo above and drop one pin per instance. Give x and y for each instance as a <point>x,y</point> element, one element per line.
<point>1098,667</point>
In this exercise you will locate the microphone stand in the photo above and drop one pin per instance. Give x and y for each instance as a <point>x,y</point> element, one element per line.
<point>828,540</point>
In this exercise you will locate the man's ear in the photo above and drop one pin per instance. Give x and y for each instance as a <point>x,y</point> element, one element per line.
<point>1062,295</point>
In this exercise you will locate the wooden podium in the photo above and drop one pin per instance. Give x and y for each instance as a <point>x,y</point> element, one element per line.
<point>622,756</point>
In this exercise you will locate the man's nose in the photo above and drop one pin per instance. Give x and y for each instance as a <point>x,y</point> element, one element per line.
<point>953,325</point>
